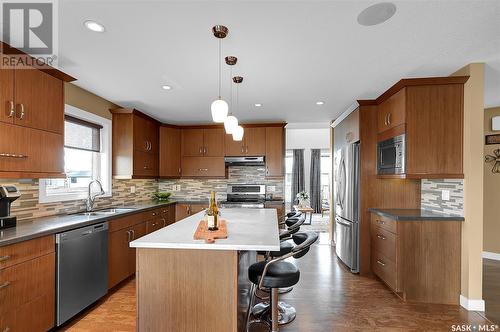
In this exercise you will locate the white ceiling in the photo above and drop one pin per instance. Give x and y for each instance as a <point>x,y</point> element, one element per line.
<point>291,53</point>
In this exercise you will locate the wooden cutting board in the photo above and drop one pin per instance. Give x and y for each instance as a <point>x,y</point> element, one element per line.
<point>202,232</point>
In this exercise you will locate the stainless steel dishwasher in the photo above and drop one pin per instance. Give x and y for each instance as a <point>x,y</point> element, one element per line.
<point>82,269</point>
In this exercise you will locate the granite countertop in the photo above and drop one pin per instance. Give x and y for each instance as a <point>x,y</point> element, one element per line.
<point>415,215</point>
<point>247,229</point>
<point>55,224</point>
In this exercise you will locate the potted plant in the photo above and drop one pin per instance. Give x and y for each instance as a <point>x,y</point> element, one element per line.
<point>161,196</point>
<point>303,198</point>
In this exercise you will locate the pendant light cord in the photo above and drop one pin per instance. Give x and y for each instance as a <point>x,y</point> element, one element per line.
<point>219,63</point>
<point>231,98</point>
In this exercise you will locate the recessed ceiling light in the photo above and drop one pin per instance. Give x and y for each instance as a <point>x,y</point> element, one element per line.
<point>166,87</point>
<point>376,14</point>
<point>93,26</point>
<point>258,105</point>
<point>320,103</point>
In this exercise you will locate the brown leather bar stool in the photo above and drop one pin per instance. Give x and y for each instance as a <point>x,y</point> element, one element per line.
<point>275,274</point>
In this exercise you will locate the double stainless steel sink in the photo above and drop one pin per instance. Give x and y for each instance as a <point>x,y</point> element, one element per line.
<point>105,212</point>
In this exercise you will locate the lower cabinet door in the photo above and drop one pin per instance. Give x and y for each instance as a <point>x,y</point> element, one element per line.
<point>138,231</point>
<point>385,269</point>
<point>118,256</point>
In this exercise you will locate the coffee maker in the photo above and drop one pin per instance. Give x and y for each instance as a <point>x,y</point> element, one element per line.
<point>8,194</point>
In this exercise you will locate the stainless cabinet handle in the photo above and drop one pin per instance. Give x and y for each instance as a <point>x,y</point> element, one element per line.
<point>242,149</point>
<point>380,262</point>
<point>4,258</point>
<point>13,155</point>
<point>133,234</point>
<point>145,167</point>
<point>7,329</point>
<point>129,235</point>
<point>247,149</point>
<point>385,119</point>
<point>12,109</point>
<point>22,112</point>
<point>154,214</point>
<point>388,118</point>
<point>203,169</point>
<point>381,222</point>
<point>146,143</point>
<point>201,150</point>
<point>205,150</point>
<point>179,170</point>
<point>5,284</point>
<point>267,170</point>
<point>164,222</point>
<point>381,237</point>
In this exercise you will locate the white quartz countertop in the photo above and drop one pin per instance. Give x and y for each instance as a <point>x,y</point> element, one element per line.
<point>247,229</point>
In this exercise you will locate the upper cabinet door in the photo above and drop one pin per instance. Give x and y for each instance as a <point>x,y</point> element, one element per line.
<point>213,142</point>
<point>255,141</point>
<point>39,100</point>
<point>392,112</point>
<point>170,152</point>
<point>275,151</point>
<point>192,142</point>
<point>7,105</point>
<point>145,134</point>
<point>233,148</point>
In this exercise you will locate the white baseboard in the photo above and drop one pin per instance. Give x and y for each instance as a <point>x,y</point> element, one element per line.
<point>471,305</point>
<point>491,255</point>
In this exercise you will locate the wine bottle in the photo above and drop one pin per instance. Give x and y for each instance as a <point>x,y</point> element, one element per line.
<point>213,213</point>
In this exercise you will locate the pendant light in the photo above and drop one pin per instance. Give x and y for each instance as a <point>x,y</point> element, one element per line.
<point>231,121</point>
<point>238,130</point>
<point>219,106</point>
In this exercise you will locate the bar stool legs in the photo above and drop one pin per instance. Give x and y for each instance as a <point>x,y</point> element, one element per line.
<point>274,310</point>
<point>287,313</point>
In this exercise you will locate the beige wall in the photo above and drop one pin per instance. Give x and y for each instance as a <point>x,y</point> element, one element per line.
<point>87,101</point>
<point>491,191</point>
<point>472,228</point>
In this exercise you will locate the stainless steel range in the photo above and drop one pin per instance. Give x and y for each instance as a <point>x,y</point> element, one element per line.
<point>245,196</point>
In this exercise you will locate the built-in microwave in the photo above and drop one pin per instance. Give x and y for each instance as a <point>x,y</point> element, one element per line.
<point>391,155</point>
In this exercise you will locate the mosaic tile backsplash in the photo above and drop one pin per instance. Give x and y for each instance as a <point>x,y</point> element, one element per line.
<point>27,206</point>
<point>431,196</point>
<point>199,189</point>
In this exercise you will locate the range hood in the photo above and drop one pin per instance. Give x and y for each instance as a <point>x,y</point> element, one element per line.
<point>244,161</point>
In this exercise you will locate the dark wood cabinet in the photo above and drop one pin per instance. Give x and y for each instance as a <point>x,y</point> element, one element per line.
<point>184,210</point>
<point>203,167</point>
<point>31,122</point>
<point>253,143</point>
<point>170,152</point>
<point>135,145</point>
<point>198,142</point>
<point>430,112</point>
<point>275,152</point>
<point>28,277</point>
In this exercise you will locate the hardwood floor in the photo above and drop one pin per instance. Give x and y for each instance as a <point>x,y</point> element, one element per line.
<point>327,298</point>
<point>491,289</point>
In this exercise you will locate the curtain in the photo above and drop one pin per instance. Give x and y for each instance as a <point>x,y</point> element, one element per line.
<point>298,182</point>
<point>315,180</point>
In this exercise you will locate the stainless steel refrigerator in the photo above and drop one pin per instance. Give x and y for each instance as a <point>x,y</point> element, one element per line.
<point>346,190</point>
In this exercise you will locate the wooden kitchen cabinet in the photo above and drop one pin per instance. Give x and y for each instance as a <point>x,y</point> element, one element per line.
<point>31,122</point>
<point>409,256</point>
<point>184,210</point>
<point>430,112</point>
<point>170,152</point>
<point>203,142</point>
<point>275,152</point>
<point>27,274</point>
<point>253,143</point>
<point>391,112</point>
<point>135,145</point>
<point>203,167</point>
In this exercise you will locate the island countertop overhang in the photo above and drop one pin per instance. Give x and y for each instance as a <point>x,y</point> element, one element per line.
<point>248,229</point>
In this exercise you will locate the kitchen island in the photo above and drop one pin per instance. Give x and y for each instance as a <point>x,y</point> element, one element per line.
<point>189,285</point>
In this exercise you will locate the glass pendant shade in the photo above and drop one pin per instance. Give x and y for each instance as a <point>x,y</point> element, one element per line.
<point>230,124</point>
<point>238,133</point>
<point>219,110</point>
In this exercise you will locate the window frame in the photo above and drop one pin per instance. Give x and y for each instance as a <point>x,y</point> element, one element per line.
<point>105,162</point>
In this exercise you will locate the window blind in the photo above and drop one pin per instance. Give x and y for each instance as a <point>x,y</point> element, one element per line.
<point>82,135</point>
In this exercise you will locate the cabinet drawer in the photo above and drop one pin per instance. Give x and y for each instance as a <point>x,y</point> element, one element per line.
<point>385,269</point>
<point>128,221</point>
<point>154,225</point>
<point>23,251</point>
<point>385,223</point>
<point>383,241</point>
<point>37,315</point>
<point>25,282</point>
